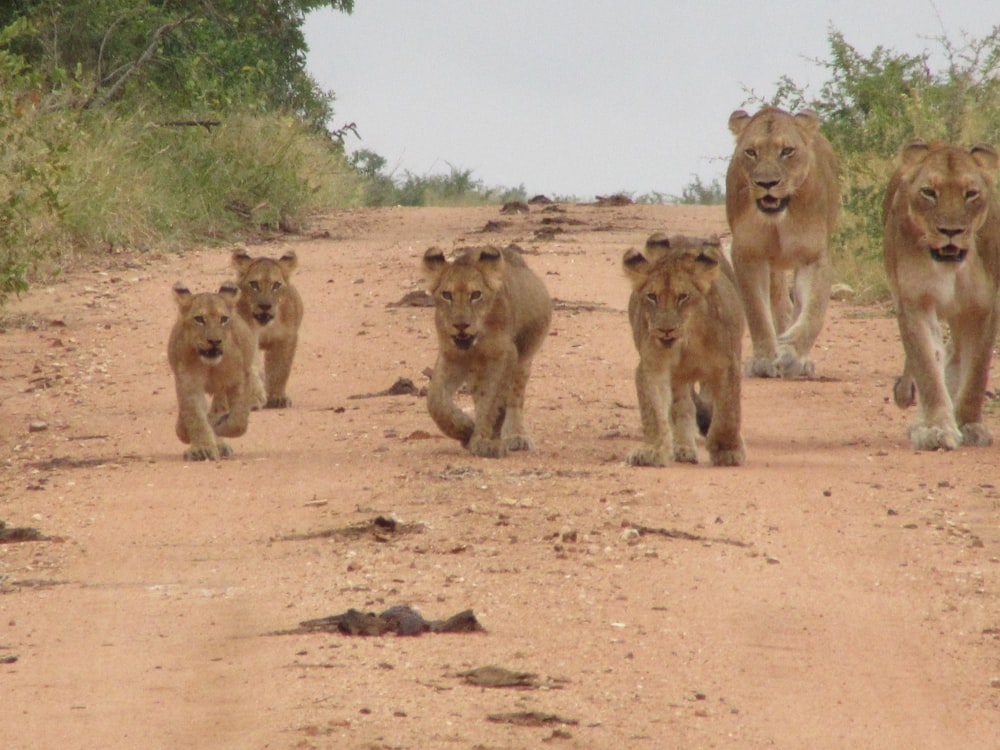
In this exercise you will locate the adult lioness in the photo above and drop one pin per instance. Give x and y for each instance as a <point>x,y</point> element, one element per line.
<point>782,200</point>
<point>687,324</point>
<point>210,351</point>
<point>492,314</point>
<point>272,307</point>
<point>942,255</point>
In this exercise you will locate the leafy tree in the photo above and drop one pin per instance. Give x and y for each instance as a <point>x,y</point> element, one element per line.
<point>195,55</point>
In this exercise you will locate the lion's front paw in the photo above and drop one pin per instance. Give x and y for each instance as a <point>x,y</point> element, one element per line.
<point>792,366</point>
<point>487,448</point>
<point>202,453</point>
<point>731,457</point>
<point>278,402</point>
<point>225,451</point>
<point>759,367</point>
<point>976,434</point>
<point>685,454</point>
<point>519,443</point>
<point>929,437</point>
<point>649,455</point>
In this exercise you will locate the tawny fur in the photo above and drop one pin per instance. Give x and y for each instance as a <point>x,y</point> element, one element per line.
<point>942,256</point>
<point>210,352</point>
<point>782,200</point>
<point>272,307</point>
<point>492,314</point>
<point>687,324</point>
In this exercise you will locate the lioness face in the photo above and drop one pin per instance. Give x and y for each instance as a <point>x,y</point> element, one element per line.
<point>948,195</point>
<point>464,292</point>
<point>206,319</point>
<point>772,150</point>
<point>263,282</point>
<point>669,287</point>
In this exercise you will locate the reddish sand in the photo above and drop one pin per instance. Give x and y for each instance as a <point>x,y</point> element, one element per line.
<point>839,591</point>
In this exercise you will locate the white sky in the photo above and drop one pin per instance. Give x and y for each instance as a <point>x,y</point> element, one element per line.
<point>585,97</point>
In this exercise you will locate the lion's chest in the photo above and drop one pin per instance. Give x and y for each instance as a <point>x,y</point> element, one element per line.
<point>951,289</point>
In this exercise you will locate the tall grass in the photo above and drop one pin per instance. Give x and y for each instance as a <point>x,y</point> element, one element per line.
<point>79,181</point>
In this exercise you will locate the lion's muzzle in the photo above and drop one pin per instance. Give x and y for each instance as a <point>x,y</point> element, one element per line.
<point>949,253</point>
<point>210,354</point>
<point>263,314</point>
<point>770,204</point>
<point>463,341</point>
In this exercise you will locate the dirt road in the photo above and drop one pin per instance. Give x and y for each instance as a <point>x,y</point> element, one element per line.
<point>839,591</point>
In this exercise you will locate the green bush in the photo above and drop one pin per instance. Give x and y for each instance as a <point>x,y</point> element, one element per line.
<point>457,188</point>
<point>871,105</point>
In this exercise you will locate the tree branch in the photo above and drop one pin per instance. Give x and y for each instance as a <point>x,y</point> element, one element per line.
<point>100,99</point>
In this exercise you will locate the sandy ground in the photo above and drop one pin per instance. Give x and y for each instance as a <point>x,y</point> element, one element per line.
<point>839,591</point>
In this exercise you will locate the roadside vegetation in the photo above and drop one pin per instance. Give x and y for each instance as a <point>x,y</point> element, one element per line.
<point>138,124</point>
<point>871,105</point>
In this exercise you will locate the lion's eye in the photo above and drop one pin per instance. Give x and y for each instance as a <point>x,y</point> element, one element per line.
<point>446,296</point>
<point>651,297</point>
<point>751,153</point>
<point>199,319</point>
<point>255,286</point>
<point>971,195</point>
<point>474,295</point>
<point>787,151</point>
<point>275,286</point>
<point>929,193</point>
<point>224,319</point>
<point>681,299</point>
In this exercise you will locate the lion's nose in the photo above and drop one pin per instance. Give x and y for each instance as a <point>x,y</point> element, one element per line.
<point>949,232</point>
<point>460,327</point>
<point>215,343</point>
<point>766,184</point>
<point>264,306</point>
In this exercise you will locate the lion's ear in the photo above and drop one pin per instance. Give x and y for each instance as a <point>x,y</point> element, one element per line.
<point>230,292</point>
<point>987,158</point>
<point>288,262</point>
<point>636,266</point>
<point>738,121</point>
<point>808,120</point>
<point>914,152</point>
<point>182,295</point>
<point>657,245</point>
<point>433,265</point>
<point>707,265</point>
<point>491,265</point>
<point>241,260</point>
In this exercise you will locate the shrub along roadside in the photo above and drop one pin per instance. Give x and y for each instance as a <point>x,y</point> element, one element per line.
<point>77,181</point>
<point>872,105</point>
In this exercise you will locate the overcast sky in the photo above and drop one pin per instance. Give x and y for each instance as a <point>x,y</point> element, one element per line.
<point>586,97</point>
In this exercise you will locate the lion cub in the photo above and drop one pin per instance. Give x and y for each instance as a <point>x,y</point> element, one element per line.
<point>210,351</point>
<point>942,256</point>
<point>782,200</point>
<point>272,307</point>
<point>687,324</point>
<point>492,315</point>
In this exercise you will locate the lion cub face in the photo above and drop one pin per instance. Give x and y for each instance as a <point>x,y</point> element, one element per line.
<point>464,292</point>
<point>670,281</point>
<point>205,320</point>
<point>773,149</point>
<point>264,283</point>
<point>948,193</point>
